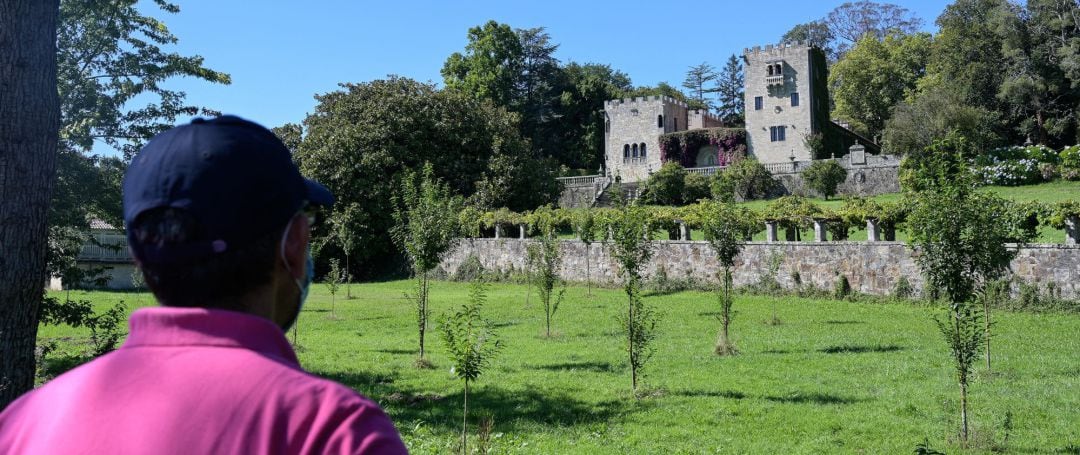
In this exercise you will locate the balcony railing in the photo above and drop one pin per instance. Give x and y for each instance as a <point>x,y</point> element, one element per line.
<point>578,181</point>
<point>707,170</point>
<point>109,247</point>
<point>638,160</point>
<point>775,80</point>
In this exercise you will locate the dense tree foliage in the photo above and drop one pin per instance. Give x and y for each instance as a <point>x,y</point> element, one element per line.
<point>365,135</point>
<point>874,76</point>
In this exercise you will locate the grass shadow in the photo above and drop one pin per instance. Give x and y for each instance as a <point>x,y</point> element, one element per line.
<point>734,395</point>
<point>397,351</point>
<point>595,367</point>
<point>813,398</point>
<point>859,349</point>
<point>509,409</point>
<point>365,382</point>
<point>843,322</point>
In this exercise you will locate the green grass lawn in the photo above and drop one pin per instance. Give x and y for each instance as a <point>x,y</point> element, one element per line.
<point>834,377</point>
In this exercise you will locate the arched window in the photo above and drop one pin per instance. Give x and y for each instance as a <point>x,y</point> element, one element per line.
<point>643,150</point>
<point>634,149</point>
<point>676,121</point>
<point>769,70</point>
<point>626,151</point>
<point>659,121</point>
<point>779,69</point>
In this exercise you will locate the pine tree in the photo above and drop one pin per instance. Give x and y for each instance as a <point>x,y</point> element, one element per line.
<point>697,81</point>
<point>729,89</point>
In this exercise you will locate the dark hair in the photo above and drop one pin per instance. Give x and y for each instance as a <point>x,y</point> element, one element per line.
<point>216,281</point>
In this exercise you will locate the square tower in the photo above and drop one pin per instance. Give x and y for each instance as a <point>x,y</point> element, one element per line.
<point>787,100</point>
<point>632,128</point>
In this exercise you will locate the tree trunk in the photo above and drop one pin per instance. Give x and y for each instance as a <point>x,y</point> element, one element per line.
<point>348,279</point>
<point>29,124</point>
<point>986,309</point>
<point>963,413</point>
<point>422,310</point>
<point>465,420</point>
<point>630,338</point>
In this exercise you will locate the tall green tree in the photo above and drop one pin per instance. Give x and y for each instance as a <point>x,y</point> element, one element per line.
<point>364,135</point>
<point>729,91</point>
<point>426,213</point>
<point>699,81</point>
<point>491,65</point>
<point>817,34</point>
<point>967,52</point>
<point>580,114</point>
<point>29,122</point>
<point>876,75</point>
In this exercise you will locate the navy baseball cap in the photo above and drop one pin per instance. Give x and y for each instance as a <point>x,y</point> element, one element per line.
<point>234,177</point>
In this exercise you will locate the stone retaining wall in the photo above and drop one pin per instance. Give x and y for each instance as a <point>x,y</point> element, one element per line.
<point>870,267</point>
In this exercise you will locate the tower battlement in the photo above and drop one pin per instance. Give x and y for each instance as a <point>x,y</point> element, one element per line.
<point>774,49</point>
<point>643,99</point>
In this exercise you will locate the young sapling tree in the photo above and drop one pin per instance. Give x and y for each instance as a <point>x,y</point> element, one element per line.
<point>333,284</point>
<point>585,227</point>
<point>471,343</point>
<point>961,242</point>
<point>632,248</point>
<point>426,213</point>
<point>726,228</point>
<point>547,258</point>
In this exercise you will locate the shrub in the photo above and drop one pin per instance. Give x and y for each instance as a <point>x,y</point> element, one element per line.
<point>842,289</point>
<point>824,176</point>
<point>1069,157</point>
<point>695,188</point>
<point>1010,173</point>
<point>470,269</point>
<point>1048,171</point>
<point>748,178</point>
<point>665,187</point>
<point>903,289</point>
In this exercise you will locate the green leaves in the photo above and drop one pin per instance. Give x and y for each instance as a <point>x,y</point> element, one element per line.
<point>824,176</point>
<point>470,340</point>
<point>426,213</point>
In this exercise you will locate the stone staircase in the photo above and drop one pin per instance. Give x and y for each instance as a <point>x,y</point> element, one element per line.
<point>630,192</point>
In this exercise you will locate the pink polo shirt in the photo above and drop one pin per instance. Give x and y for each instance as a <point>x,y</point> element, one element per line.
<point>196,381</point>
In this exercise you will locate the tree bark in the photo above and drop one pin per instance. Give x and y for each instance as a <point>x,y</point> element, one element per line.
<point>465,420</point>
<point>29,125</point>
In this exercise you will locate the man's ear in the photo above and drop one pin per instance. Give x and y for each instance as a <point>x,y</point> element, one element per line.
<point>297,236</point>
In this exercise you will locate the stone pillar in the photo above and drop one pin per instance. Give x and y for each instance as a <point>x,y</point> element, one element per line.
<point>610,233</point>
<point>522,229</point>
<point>873,231</point>
<point>770,231</point>
<point>820,234</point>
<point>684,232</point>
<point>1072,230</point>
<point>498,231</point>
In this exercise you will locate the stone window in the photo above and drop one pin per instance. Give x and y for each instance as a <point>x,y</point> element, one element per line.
<point>626,151</point>
<point>777,133</point>
<point>643,150</point>
<point>758,102</point>
<point>769,70</point>
<point>634,153</point>
<point>779,69</point>
<point>659,121</point>
<point>794,99</point>
<point>676,122</point>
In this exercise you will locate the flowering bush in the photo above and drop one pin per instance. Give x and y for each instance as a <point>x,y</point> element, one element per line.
<point>1070,157</point>
<point>1010,173</point>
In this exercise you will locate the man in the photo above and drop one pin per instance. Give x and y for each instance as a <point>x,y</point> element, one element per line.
<point>218,220</point>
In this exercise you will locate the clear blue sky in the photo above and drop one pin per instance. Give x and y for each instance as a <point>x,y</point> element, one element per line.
<point>281,53</point>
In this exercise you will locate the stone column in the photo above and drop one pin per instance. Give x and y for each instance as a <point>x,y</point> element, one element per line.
<point>498,231</point>
<point>522,228</point>
<point>873,231</point>
<point>770,231</point>
<point>684,232</point>
<point>820,234</point>
<point>1072,230</point>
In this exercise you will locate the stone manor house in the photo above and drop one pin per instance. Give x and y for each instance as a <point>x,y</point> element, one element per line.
<point>787,102</point>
